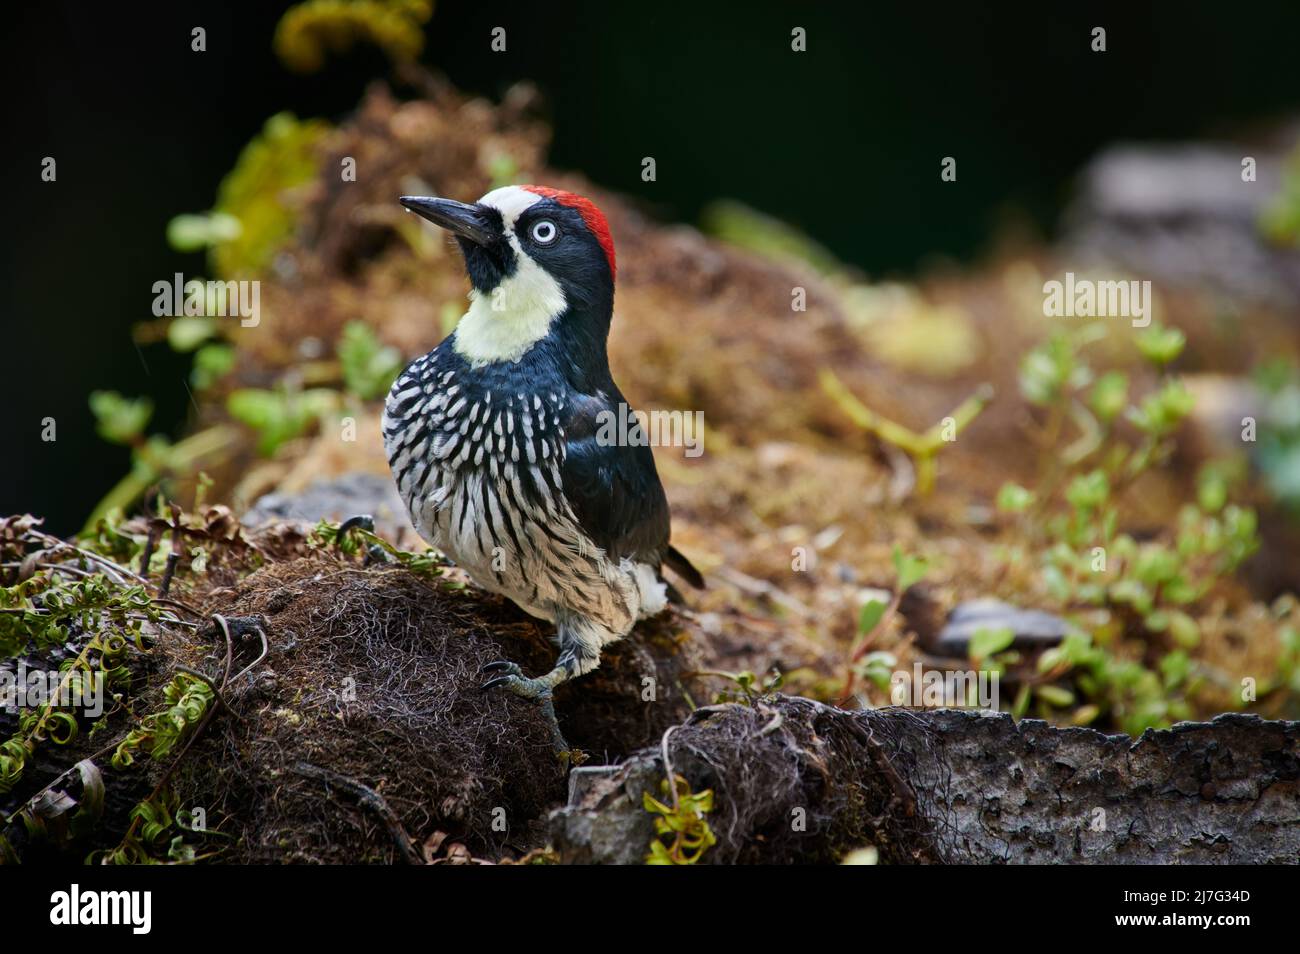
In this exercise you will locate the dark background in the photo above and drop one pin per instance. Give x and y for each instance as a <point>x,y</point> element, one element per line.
<point>844,141</point>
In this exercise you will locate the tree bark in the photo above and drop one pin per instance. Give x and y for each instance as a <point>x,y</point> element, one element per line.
<point>795,780</point>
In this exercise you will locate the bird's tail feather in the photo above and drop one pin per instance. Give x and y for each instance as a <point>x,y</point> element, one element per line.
<point>674,560</point>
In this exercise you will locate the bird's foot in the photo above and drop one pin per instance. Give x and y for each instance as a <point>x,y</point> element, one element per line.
<point>364,521</point>
<point>540,690</point>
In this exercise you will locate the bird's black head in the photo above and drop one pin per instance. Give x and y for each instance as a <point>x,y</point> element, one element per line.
<point>535,256</point>
<point>563,233</point>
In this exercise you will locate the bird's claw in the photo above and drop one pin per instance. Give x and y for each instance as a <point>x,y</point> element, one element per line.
<point>540,691</point>
<point>364,521</point>
<point>520,685</point>
<point>501,665</point>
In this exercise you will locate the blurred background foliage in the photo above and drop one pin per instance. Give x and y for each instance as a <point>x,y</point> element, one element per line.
<point>142,128</point>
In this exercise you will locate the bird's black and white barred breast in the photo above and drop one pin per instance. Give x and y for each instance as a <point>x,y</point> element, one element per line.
<point>479,458</point>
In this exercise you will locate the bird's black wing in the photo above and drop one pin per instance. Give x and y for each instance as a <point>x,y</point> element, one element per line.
<point>612,485</point>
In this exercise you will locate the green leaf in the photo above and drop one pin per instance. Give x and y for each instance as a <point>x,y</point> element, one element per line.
<point>1088,491</point>
<point>1012,498</point>
<point>909,569</point>
<point>368,366</point>
<point>1133,593</point>
<point>1055,696</point>
<point>1175,667</point>
<point>179,851</point>
<point>1160,345</point>
<point>120,420</point>
<point>1109,396</point>
<point>1056,583</point>
<point>1185,630</point>
<point>1021,704</point>
<point>212,362</point>
<point>878,667</point>
<point>1051,371</point>
<point>1157,621</point>
<point>985,643</point>
<point>1160,413</point>
<point>194,233</point>
<point>184,334</point>
<point>279,416</point>
<point>1050,659</point>
<point>1085,715</point>
<point>1211,488</point>
<point>871,614</point>
<point>1156,565</point>
<point>61,727</point>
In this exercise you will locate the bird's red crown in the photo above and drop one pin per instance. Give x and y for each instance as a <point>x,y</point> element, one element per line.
<point>592,216</point>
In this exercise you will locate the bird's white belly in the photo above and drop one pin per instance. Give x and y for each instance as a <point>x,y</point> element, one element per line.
<point>481,480</point>
<point>535,556</point>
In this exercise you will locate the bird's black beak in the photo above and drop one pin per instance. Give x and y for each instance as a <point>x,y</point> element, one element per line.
<point>468,221</point>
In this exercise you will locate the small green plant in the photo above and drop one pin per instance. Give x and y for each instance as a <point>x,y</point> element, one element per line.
<point>878,667</point>
<point>987,646</point>
<point>155,460</point>
<point>186,701</point>
<point>746,687</point>
<point>66,595</point>
<point>682,832</point>
<point>1118,583</point>
<point>923,448</point>
<point>281,415</point>
<point>1280,220</point>
<point>157,835</point>
<point>42,611</point>
<point>54,607</point>
<point>359,537</point>
<point>48,723</point>
<point>1279,431</point>
<point>253,217</point>
<point>368,366</point>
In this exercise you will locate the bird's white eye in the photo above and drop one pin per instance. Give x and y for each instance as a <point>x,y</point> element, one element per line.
<point>543,232</point>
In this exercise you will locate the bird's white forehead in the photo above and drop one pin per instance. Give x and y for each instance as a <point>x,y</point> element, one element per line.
<point>510,201</point>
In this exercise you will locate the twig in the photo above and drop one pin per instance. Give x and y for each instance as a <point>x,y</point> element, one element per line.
<point>174,557</point>
<point>177,604</point>
<point>230,645</point>
<point>862,642</point>
<point>266,648</point>
<point>61,567</point>
<point>116,571</point>
<point>668,765</point>
<point>150,544</point>
<point>902,791</point>
<point>369,799</point>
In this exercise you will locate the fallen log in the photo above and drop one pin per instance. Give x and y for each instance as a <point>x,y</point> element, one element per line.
<point>796,780</point>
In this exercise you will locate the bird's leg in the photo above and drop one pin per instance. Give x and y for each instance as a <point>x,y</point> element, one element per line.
<point>575,659</point>
<point>540,690</point>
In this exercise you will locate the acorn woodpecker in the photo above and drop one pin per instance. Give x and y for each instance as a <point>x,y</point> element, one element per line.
<point>495,437</point>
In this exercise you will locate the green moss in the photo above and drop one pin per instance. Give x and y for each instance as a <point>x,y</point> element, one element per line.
<point>311,30</point>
